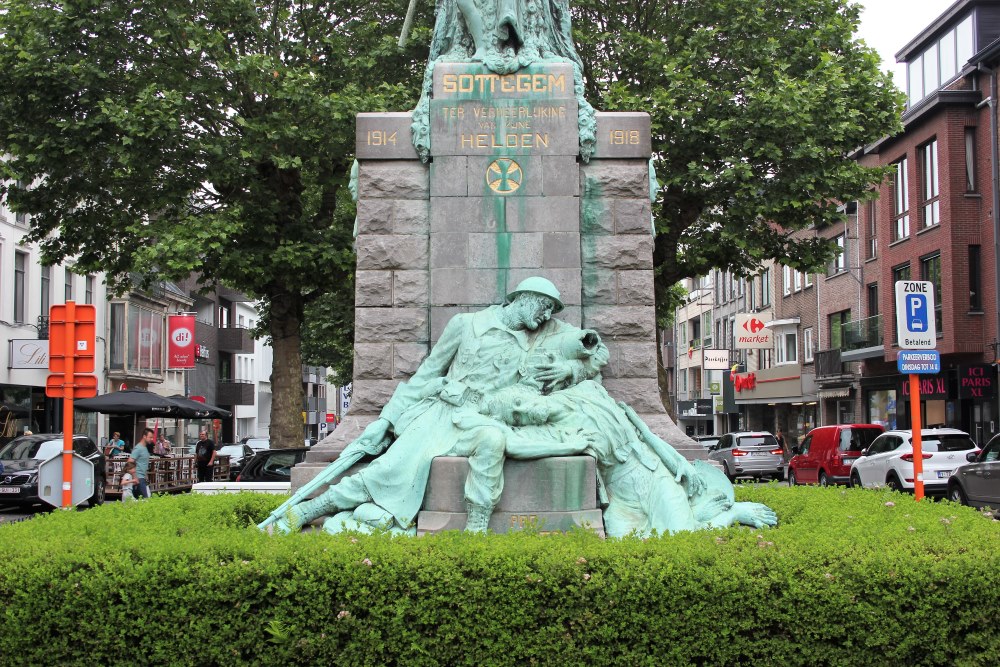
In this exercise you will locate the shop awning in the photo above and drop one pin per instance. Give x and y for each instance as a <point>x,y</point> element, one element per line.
<point>835,392</point>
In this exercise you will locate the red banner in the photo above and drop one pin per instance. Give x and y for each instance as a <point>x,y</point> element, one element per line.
<point>180,350</point>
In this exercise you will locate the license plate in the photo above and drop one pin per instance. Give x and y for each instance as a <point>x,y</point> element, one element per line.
<point>944,474</point>
<point>760,453</point>
<point>10,489</point>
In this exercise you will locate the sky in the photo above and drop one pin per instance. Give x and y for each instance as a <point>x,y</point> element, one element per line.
<point>889,25</point>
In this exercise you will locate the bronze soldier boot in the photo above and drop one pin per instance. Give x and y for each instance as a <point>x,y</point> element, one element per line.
<point>299,515</point>
<point>479,518</point>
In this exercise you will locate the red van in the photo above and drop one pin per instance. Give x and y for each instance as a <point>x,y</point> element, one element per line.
<point>827,452</point>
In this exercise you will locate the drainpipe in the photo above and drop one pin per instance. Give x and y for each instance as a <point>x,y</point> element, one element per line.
<point>995,183</point>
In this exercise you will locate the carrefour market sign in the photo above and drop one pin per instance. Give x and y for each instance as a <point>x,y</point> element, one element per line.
<point>751,334</point>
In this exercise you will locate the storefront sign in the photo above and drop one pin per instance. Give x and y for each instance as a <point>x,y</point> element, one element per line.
<point>180,349</point>
<point>29,353</point>
<point>714,388</point>
<point>975,381</point>
<point>751,334</point>
<point>932,388</point>
<point>746,382</point>
<point>716,360</point>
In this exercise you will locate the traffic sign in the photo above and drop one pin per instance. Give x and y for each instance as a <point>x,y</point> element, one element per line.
<point>84,385</point>
<point>916,328</point>
<point>920,362</point>
<point>84,318</point>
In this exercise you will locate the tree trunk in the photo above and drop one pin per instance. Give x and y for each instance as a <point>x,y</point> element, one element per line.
<point>663,380</point>
<point>287,397</point>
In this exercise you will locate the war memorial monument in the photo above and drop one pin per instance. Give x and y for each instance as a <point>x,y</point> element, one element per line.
<point>505,345</point>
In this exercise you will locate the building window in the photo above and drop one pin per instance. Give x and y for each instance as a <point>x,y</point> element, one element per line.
<point>975,280</point>
<point>765,288</point>
<point>20,267</point>
<point>45,290</point>
<point>732,333</point>
<point>69,284</point>
<point>88,296</point>
<point>787,280</point>
<point>873,307</point>
<point>707,328</point>
<point>930,270</point>
<point>901,201</point>
<point>839,263</point>
<point>135,339</point>
<point>807,344</point>
<point>837,322</point>
<point>930,205</point>
<point>872,246</point>
<point>808,279</point>
<point>940,62</point>
<point>901,272</point>
<point>797,277</point>
<point>20,218</point>
<point>788,348</point>
<point>970,159</point>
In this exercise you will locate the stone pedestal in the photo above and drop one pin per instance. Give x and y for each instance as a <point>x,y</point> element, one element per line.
<point>505,197</point>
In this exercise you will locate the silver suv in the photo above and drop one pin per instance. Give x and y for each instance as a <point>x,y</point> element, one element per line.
<point>749,454</point>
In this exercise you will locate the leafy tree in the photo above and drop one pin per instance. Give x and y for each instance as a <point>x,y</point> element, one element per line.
<point>756,107</point>
<point>200,135</point>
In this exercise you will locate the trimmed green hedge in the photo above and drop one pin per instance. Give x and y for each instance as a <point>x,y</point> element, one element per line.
<point>849,577</point>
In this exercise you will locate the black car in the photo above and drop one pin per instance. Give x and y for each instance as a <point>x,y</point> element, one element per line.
<point>272,465</point>
<point>22,456</point>
<point>238,454</point>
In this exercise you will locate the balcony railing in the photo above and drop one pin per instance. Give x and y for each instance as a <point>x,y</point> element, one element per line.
<point>828,364</point>
<point>234,392</point>
<point>861,334</point>
<point>235,339</point>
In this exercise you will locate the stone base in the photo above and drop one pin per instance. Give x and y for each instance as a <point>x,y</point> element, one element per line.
<point>509,522</point>
<point>555,484</point>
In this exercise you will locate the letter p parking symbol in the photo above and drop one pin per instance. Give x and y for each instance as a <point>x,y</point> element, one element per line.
<point>916,312</point>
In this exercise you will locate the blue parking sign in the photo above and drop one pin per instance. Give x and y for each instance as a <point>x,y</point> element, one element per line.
<point>915,318</point>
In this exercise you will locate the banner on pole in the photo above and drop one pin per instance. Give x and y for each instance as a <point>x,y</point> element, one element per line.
<point>180,349</point>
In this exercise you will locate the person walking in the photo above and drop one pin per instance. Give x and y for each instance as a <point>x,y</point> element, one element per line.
<point>140,456</point>
<point>204,454</point>
<point>129,482</point>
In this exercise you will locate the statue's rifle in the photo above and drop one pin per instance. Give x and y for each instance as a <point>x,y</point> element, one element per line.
<point>407,23</point>
<point>353,453</point>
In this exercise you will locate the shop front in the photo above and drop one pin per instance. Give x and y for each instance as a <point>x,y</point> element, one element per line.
<point>779,397</point>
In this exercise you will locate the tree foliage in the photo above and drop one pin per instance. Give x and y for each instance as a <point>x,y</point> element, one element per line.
<point>756,107</point>
<point>200,135</point>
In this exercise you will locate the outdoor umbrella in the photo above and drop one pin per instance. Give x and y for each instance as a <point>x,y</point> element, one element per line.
<point>138,402</point>
<point>208,411</point>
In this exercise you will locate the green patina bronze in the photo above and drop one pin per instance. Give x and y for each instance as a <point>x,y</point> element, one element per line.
<point>511,381</point>
<point>505,36</point>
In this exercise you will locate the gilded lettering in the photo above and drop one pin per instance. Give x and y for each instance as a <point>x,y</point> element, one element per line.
<point>449,82</point>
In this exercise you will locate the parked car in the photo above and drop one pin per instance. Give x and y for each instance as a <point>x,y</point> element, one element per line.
<point>257,444</point>
<point>749,454</point>
<point>238,455</point>
<point>22,456</point>
<point>272,465</point>
<point>977,483</point>
<point>889,459</point>
<point>827,452</point>
<point>707,441</point>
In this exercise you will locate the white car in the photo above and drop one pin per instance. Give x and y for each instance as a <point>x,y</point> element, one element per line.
<point>888,461</point>
<point>258,444</point>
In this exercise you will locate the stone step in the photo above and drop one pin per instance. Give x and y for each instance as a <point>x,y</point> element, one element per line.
<point>508,522</point>
<point>555,484</point>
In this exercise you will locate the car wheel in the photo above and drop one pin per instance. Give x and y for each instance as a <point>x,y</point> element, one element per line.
<point>823,479</point>
<point>98,497</point>
<point>791,478</point>
<point>725,469</point>
<point>892,481</point>
<point>956,494</point>
<point>855,480</point>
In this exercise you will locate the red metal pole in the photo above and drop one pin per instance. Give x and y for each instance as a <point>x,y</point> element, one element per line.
<point>69,350</point>
<point>918,458</point>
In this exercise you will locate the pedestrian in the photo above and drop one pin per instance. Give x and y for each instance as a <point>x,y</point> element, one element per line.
<point>204,455</point>
<point>780,437</point>
<point>140,457</point>
<point>129,482</point>
<point>116,446</point>
<point>163,447</point>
